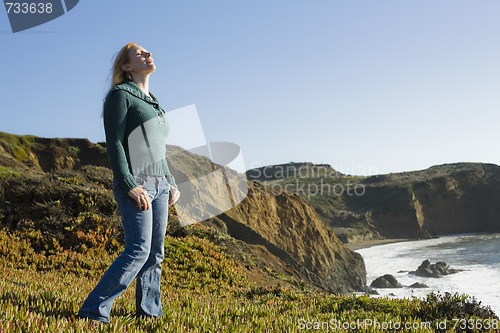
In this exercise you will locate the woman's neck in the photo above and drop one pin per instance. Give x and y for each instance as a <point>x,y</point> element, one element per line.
<point>142,82</point>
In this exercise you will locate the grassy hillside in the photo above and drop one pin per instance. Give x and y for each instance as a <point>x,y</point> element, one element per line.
<point>204,290</point>
<point>199,300</point>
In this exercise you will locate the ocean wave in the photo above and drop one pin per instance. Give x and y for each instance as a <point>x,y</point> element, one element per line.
<point>475,254</point>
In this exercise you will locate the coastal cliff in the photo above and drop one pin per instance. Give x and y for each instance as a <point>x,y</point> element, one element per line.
<point>289,227</point>
<point>441,200</point>
<point>446,199</point>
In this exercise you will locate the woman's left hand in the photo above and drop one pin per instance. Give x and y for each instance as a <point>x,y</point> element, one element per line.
<point>140,195</point>
<point>174,195</point>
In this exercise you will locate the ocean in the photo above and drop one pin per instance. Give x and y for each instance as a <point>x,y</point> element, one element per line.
<point>478,255</point>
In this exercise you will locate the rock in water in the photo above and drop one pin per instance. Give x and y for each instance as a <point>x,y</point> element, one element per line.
<point>439,269</point>
<point>386,281</point>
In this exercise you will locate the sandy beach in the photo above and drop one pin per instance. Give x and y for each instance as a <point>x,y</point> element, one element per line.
<point>373,242</point>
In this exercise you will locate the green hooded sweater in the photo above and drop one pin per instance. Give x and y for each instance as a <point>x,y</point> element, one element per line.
<point>136,131</point>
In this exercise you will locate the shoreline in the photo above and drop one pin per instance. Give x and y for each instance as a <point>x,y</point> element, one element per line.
<point>374,242</point>
<point>399,259</point>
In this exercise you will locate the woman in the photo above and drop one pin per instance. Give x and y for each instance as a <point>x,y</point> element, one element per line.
<point>136,130</point>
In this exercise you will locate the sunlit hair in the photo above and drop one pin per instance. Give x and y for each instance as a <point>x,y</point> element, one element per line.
<point>121,58</point>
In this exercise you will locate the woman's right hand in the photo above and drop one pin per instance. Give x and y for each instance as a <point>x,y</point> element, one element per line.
<point>141,197</point>
<point>174,195</point>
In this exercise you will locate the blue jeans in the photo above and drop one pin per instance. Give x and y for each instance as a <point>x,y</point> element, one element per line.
<point>144,251</point>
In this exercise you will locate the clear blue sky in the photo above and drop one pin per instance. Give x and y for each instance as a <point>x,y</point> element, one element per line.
<point>366,86</point>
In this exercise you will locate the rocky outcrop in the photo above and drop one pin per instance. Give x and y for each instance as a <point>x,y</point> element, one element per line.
<point>386,281</point>
<point>437,270</point>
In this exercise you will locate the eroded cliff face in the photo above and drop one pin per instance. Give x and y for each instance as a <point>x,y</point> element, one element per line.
<point>461,202</point>
<point>289,227</point>
<point>447,199</point>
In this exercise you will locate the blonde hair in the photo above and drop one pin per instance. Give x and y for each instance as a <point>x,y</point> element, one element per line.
<point>121,58</point>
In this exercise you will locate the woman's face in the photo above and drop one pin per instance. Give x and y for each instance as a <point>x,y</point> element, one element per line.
<point>141,61</point>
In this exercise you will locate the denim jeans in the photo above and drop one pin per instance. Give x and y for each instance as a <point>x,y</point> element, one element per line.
<point>144,251</point>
